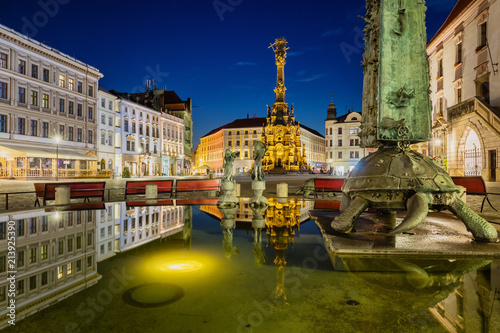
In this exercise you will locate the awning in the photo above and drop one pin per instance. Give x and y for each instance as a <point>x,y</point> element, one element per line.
<point>11,150</point>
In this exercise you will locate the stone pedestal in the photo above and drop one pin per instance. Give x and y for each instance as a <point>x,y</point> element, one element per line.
<point>151,191</point>
<point>227,199</point>
<point>258,200</point>
<point>238,190</point>
<point>282,190</point>
<point>63,194</point>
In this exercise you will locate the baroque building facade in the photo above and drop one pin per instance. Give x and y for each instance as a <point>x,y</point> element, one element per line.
<point>48,107</point>
<point>240,135</point>
<point>465,84</point>
<point>343,149</point>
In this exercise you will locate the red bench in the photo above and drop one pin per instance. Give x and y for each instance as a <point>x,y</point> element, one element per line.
<point>133,187</point>
<point>323,204</point>
<point>322,185</point>
<point>474,185</point>
<point>87,190</point>
<point>197,185</point>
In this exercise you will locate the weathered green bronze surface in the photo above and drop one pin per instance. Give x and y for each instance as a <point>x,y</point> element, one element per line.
<point>396,85</point>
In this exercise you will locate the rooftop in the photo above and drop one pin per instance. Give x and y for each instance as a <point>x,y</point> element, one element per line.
<point>47,47</point>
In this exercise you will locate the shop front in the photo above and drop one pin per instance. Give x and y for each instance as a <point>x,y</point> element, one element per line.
<point>30,162</point>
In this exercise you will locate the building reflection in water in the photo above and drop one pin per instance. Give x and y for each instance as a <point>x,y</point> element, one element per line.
<point>475,305</point>
<point>57,251</point>
<point>422,285</point>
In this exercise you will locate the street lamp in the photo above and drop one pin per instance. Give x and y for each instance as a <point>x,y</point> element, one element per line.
<point>58,138</point>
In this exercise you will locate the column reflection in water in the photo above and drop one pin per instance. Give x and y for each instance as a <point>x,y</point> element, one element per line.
<point>282,219</point>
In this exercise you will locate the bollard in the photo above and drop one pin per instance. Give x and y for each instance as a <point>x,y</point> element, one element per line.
<point>238,190</point>
<point>63,194</point>
<point>282,190</point>
<point>151,191</point>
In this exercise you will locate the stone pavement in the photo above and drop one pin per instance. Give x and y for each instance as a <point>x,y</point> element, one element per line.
<point>26,201</point>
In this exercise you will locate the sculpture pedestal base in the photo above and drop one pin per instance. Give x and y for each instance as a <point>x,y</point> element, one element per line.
<point>258,200</point>
<point>228,199</point>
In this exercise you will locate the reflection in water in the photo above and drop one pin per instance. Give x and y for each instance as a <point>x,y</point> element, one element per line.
<point>57,257</point>
<point>418,285</point>
<point>57,251</point>
<point>228,223</point>
<point>282,218</point>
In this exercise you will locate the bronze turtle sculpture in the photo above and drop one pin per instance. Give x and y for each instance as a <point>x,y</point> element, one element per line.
<point>394,179</point>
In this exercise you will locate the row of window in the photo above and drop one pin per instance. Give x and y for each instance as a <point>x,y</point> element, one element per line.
<point>238,132</point>
<point>352,143</point>
<point>103,120</point>
<point>353,154</point>
<point>41,128</point>
<point>43,277</point>
<point>34,99</point>
<point>45,75</point>
<point>352,130</point>
<point>103,138</point>
<point>155,131</point>
<point>482,42</point>
<point>41,224</point>
<point>103,104</point>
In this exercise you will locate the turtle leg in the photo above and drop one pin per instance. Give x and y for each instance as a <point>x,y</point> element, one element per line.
<point>345,221</point>
<point>479,227</point>
<point>344,203</point>
<point>418,208</point>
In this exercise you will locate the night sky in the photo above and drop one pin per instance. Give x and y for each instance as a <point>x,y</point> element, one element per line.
<point>218,57</point>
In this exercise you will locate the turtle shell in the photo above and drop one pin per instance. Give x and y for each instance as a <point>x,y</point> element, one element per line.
<point>393,169</point>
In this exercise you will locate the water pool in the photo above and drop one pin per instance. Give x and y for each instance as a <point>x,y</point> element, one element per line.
<point>179,268</point>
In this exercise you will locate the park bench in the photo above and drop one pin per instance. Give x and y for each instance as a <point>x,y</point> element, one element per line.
<point>197,185</point>
<point>168,202</point>
<point>134,187</point>
<point>87,190</point>
<point>325,204</point>
<point>322,185</point>
<point>474,185</point>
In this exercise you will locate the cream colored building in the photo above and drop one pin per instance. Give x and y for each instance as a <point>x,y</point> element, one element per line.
<point>342,141</point>
<point>239,136</point>
<point>45,95</point>
<point>465,85</point>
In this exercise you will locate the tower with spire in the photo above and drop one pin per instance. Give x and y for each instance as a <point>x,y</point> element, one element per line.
<point>281,133</point>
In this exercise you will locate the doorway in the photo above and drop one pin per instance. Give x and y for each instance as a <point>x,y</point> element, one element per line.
<point>493,165</point>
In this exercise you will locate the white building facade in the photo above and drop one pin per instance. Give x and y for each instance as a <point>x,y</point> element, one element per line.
<point>140,137</point>
<point>465,85</point>
<point>342,141</point>
<point>172,146</point>
<point>107,103</point>
<point>48,106</point>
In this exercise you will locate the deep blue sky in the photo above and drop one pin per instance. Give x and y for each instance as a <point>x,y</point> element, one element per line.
<point>219,59</point>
